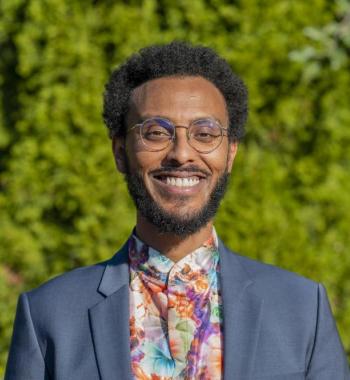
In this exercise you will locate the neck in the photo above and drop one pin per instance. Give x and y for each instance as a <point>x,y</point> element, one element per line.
<point>172,246</point>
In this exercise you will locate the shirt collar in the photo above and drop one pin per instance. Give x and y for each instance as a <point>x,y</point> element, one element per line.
<point>152,263</point>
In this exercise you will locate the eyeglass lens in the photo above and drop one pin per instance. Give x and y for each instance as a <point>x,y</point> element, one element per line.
<point>204,135</point>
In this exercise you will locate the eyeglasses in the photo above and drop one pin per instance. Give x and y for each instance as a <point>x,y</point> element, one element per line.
<point>204,135</point>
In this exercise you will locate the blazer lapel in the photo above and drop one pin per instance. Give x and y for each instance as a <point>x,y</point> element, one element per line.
<point>109,320</point>
<point>242,312</point>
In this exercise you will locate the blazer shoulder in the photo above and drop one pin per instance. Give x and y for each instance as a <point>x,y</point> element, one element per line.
<point>273,281</point>
<point>76,285</point>
<point>261,270</point>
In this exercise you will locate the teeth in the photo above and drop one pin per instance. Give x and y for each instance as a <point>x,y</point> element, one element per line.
<point>182,182</point>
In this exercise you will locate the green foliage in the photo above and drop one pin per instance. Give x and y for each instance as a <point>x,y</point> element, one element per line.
<point>63,205</point>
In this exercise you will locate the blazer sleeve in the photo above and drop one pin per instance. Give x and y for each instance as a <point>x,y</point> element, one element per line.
<point>25,361</point>
<point>328,360</point>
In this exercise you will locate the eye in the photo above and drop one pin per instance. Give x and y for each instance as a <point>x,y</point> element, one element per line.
<point>205,134</point>
<point>153,131</point>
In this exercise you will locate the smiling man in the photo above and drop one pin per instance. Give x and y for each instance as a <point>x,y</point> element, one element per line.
<point>174,302</point>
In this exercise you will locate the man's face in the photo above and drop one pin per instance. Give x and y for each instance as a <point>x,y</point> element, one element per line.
<point>156,179</point>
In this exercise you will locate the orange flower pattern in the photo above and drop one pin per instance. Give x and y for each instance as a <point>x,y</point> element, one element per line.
<point>175,314</point>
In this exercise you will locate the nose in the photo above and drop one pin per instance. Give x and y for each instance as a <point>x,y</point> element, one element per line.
<point>180,151</point>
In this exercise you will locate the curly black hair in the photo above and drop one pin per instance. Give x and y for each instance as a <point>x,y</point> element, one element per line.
<point>174,59</point>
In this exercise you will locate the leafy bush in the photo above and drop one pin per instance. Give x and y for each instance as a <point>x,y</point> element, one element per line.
<point>62,203</point>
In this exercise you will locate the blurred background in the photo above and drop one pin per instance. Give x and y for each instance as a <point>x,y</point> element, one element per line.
<point>62,203</point>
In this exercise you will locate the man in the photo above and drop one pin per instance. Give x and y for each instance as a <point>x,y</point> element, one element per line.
<point>174,302</point>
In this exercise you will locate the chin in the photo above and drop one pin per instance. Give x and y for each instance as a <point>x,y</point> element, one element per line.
<point>181,211</point>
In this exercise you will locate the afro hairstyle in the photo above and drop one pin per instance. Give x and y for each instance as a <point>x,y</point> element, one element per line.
<point>174,59</point>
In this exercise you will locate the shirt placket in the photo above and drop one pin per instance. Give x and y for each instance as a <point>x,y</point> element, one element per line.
<point>178,321</point>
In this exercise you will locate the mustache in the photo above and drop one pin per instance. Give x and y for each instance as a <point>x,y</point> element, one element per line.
<point>187,169</point>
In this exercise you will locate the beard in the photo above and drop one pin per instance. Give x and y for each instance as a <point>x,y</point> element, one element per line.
<point>168,222</point>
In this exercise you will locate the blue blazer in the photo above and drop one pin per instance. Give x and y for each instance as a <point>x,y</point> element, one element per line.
<point>277,325</point>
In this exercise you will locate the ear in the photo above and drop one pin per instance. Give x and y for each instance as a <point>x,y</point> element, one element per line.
<point>232,151</point>
<point>119,153</point>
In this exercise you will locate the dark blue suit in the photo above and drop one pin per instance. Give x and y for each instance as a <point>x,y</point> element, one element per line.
<point>277,325</point>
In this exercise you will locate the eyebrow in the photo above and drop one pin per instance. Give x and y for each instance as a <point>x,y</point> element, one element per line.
<point>148,116</point>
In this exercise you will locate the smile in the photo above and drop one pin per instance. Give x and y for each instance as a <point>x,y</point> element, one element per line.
<point>181,182</point>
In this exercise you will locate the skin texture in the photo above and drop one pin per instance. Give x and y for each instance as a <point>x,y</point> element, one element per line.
<point>181,100</point>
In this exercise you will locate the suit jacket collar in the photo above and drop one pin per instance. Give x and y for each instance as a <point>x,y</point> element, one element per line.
<point>242,314</point>
<point>116,273</point>
<point>109,319</point>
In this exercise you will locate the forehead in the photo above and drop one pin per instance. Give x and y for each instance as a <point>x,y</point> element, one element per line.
<point>179,98</point>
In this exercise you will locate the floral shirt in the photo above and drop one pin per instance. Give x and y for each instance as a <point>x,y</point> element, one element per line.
<point>175,314</point>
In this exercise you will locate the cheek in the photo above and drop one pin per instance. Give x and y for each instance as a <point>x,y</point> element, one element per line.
<point>141,160</point>
<point>217,161</point>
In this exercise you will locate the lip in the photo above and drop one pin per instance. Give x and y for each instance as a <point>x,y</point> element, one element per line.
<point>179,174</point>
